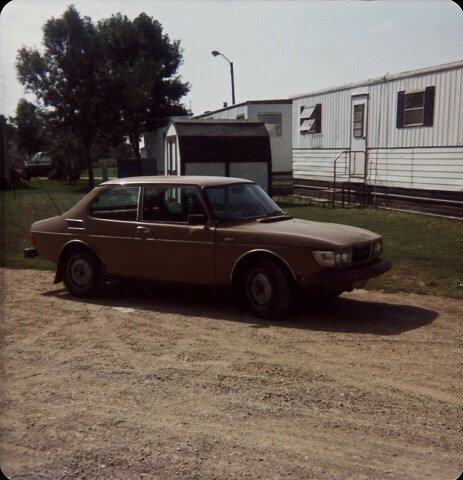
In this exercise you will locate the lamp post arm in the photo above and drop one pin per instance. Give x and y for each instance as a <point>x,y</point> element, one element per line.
<point>216,53</point>
<point>222,55</point>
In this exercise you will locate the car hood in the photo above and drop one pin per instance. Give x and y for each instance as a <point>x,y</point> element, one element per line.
<point>297,233</point>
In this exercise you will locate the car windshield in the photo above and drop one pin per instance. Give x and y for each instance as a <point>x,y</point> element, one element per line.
<point>240,201</point>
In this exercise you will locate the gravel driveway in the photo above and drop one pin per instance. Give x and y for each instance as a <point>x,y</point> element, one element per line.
<point>177,384</point>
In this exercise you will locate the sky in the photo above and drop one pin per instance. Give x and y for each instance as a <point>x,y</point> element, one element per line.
<point>279,48</point>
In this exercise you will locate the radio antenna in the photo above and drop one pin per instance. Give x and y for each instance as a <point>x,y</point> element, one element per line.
<point>49,196</point>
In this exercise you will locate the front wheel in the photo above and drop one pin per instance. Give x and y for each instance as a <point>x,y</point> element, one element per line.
<point>267,289</point>
<point>81,273</point>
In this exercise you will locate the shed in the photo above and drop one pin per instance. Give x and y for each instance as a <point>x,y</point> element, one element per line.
<point>277,117</point>
<point>230,148</point>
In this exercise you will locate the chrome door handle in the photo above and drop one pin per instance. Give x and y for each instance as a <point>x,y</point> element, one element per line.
<point>142,229</point>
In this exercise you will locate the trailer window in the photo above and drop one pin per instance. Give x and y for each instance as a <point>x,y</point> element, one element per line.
<point>310,119</point>
<point>359,119</point>
<point>415,109</point>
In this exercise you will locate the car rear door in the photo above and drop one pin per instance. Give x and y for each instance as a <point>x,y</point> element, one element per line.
<point>111,227</point>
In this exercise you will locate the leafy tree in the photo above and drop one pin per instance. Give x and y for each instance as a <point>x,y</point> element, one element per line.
<point>68,80</point>
<point>142,64</point>
<point>9,129</point>
<point>100,83</point>
<point>30,128</point>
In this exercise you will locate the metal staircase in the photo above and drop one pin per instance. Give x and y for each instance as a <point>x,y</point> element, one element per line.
<point>342,168</point>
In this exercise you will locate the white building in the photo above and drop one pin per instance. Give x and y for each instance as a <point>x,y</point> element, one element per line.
<point>277,117</point>
<point>396,140</point>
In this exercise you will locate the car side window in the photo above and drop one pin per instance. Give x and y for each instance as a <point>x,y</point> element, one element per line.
<point>170,204</point>
<point>119,203</point>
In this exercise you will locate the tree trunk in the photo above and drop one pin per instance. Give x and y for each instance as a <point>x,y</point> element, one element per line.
<point>134,141</point>
<point>88,161</point>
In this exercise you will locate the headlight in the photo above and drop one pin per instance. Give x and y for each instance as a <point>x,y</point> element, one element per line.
<point>377,248</point>
<point>333,258</point>
<point>346,257</point>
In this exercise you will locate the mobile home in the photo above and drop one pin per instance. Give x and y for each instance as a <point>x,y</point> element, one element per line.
<point>394,141</point>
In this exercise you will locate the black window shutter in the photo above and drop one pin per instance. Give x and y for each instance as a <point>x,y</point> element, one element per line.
<point>428,106</point>
<point>318,118</point>
<point>400,109</point>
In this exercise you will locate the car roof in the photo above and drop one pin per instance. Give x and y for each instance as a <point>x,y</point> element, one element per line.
<point>202,181</point>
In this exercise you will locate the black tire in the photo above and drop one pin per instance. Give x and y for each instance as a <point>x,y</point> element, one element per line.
<point>267,289</point>
<point>330,294</point>
<point>81,273</point>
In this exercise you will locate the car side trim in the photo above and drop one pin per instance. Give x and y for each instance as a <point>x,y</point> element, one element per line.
<point>261,250</point>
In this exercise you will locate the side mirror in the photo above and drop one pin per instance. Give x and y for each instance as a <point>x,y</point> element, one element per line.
<point>197,219</point>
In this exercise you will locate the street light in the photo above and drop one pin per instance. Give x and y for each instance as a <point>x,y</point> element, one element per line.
<point>215,53</point>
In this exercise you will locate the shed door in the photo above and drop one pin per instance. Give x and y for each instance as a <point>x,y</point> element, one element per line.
<point>358,146</point>
<point>171,157</point>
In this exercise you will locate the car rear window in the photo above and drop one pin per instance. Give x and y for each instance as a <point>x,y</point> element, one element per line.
<point>119,203</point>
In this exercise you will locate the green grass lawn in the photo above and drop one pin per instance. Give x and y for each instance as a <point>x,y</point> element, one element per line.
<point>23,206</point>
<point>98,173</point>
<point>427,252</point>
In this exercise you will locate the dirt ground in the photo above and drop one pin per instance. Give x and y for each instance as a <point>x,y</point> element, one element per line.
<point>180,384</point>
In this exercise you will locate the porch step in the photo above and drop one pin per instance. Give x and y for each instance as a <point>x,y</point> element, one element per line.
<point>317,200</point>
<point>327,194</point>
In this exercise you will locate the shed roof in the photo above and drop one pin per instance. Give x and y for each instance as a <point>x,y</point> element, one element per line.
<point>219,128</point>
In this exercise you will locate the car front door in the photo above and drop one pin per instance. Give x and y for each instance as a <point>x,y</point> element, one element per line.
<point>167,246</point>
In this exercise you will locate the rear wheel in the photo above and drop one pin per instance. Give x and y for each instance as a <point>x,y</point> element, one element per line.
<point>267,289</point>
<point>81,273</point>
<point>332,293</point>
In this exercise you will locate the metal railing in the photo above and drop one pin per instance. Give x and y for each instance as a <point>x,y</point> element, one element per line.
<point>347,172</point>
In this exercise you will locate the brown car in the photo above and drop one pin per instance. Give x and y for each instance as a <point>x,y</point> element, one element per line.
<point>206,231</point>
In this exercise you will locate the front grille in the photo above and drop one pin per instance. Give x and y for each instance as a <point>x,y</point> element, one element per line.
<point>360,254</point>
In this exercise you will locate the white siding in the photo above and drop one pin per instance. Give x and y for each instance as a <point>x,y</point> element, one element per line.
<point>447,129</point>
<point>335,130</point>
<point>422,168</point>
<point>281,146</point>
<point>319,165</point>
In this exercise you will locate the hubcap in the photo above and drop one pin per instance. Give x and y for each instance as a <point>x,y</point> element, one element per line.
<point>261,289</point>
<point>80,272</point>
